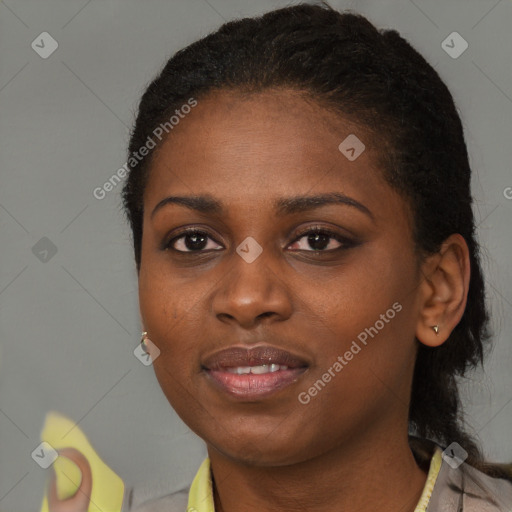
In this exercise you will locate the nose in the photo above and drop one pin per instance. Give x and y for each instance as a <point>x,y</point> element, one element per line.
<point>252,292</point>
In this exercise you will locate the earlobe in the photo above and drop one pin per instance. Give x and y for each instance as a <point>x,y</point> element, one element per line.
<point>432,335</point>
<point>444,291</point>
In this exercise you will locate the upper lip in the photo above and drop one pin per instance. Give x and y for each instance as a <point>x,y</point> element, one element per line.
<point>262,354</point>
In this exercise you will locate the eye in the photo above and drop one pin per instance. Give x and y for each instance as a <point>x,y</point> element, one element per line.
<point>320,239</point>
<point>194,240</point>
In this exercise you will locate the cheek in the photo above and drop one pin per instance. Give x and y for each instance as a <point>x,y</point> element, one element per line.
<point>163,305</point>
<point>171,316</point>
<point>354,300</point>
<point>368,313</point>
<point>177,365</point>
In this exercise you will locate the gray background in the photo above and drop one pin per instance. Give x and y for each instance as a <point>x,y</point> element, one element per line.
<point>69,325</point>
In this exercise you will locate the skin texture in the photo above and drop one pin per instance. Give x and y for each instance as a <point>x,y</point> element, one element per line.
<point>346,449</point>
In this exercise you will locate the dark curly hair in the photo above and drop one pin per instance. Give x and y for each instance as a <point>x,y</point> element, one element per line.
<point>379,81</point>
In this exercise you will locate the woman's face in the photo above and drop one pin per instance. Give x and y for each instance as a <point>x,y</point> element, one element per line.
<point>338,309</point>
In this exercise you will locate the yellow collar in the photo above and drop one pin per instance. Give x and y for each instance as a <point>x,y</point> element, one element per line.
<point>200,496</point>
<point>435,466</point>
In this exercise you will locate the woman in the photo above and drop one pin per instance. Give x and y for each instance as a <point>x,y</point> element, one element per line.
<point>309,277</point>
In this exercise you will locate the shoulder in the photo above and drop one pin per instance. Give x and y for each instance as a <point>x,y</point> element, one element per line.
<point>198,493</point>
<point>455,486</point>
<point>469,489</point>
<point>174,502</point>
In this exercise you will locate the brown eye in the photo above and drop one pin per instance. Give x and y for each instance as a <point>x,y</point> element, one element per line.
<point>321,239</point>
<point>193,241</point>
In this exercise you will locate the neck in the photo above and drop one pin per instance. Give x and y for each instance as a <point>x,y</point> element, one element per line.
<point>364,474</point>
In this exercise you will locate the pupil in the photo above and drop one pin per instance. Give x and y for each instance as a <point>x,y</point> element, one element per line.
<point>313,239</point>
<point>198,241</point>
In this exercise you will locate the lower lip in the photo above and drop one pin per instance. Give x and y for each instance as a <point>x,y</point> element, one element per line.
<point>252,385</point>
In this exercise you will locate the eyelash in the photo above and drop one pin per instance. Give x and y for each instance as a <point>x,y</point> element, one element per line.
<point>346,242</point>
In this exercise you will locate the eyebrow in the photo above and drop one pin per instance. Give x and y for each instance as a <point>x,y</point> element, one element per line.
<point>283,206</point>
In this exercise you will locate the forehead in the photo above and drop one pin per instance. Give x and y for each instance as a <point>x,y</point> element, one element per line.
<point>249,147</point>
<point>285,120</point>
<point>227,128</point>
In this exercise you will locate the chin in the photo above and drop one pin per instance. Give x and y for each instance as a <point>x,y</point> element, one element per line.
<point>255,451</point>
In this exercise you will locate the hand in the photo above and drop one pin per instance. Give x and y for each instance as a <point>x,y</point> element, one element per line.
<point>79,502</point>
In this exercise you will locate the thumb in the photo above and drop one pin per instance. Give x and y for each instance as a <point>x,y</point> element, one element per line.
<point>79,502</point>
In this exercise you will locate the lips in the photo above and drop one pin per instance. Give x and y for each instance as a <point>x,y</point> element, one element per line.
<point>253,374</point>
<point>236,357</point>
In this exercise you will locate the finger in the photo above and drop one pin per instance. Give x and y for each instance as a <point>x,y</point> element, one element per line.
<point>81,499</point>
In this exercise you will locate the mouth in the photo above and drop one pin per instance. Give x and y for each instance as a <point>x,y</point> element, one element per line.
<point>255,373</point>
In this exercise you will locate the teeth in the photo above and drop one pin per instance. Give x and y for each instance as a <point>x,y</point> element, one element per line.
<point>264,368</point>
<point>242,369</point>
<point>257,370</point>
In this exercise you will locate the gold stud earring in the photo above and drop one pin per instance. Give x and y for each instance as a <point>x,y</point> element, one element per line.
<point>436,329</point>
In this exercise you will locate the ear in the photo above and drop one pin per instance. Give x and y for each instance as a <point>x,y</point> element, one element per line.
<point>443,291</point>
